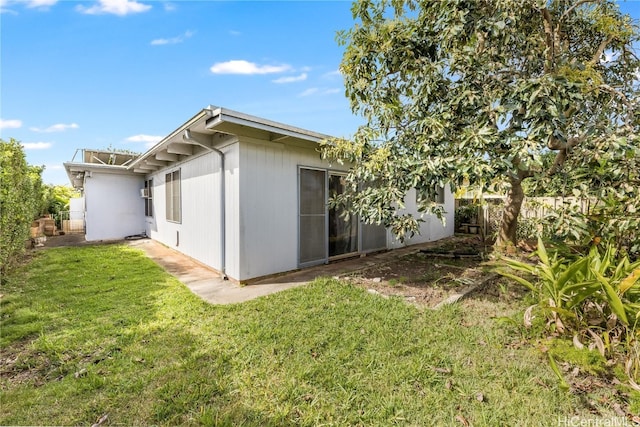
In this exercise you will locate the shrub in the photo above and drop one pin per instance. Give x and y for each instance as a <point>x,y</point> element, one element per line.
<point>595,297</point>
<point>20,200</point>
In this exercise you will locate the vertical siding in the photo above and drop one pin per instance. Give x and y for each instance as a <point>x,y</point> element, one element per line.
<point>198,234</point>
<point>232,196</point>
<point>114,208</point>
<point>268,208</point>
<point>432,228</point>
<point>269,205</point>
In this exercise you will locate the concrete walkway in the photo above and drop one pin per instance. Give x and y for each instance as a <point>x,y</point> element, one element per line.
<point>207,283</point>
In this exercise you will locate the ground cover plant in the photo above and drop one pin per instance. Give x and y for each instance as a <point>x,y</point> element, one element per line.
<point>592,296</point>
<point>101,332</point>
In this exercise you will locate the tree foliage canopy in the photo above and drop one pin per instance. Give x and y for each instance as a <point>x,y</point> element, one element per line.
<point>480,92</point>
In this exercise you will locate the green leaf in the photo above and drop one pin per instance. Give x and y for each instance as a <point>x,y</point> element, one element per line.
<point>613,300</point>
<point>519,279</point>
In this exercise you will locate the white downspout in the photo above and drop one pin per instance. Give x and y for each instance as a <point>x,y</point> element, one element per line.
<point>186,137</point>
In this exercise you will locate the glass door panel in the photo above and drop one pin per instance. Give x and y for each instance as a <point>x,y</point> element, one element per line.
<point>312,216</point>
<point>343,230</point>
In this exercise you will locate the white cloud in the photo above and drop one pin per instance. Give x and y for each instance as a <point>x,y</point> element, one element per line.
<point>115,7</point>
<point>246,67</point>
<point>318,91</point>
<point>33,4</point>
<point>309,91</point>
<point>169,7</point>
<point>36,145</point>
<point>173,40</point>
<point>291,79</point>
<point>59,127</point>
<point>10,124</point>
<point>235,33</point>
<point>149,140</point>
<point>334,73</point>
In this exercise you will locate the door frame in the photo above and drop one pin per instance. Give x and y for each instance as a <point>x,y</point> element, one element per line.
<point>326,259</point>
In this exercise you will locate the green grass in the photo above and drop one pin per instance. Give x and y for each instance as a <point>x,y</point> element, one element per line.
<point>96,330</point>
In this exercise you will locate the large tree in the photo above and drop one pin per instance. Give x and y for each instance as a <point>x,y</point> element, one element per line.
<point>479,92</point>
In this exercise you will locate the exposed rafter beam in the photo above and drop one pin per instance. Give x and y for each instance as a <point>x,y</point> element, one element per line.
<point>146,167</point>
<point>276,138</point>
<point>178,148</point>
<point>152,161</point>
<point>198,139</point>
<point>163,155</point>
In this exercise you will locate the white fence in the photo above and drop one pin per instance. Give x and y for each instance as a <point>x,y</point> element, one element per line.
<point>484,218</point>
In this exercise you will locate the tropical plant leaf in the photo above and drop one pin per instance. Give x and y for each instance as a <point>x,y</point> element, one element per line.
<point>613,299</point>
<point>629,281</point>
<point>597,341</point>
<point>554,367</point>
<point>542,252</point>
<point>520,280</point>
<point>528,316</point>
<point>576,343</point>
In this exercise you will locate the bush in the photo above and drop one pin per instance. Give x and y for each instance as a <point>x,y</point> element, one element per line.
<point>20,200</point>
<point>595,298</point>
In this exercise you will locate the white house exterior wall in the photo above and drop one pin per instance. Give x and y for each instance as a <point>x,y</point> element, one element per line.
<point>198,234</point>
<point>432,228</point>
<point>113,206</point>
<point>269,205</point>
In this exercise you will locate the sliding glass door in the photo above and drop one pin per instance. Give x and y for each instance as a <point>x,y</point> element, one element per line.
<point>325,233</point>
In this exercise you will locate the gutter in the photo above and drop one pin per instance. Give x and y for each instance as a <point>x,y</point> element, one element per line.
<point>186,137</point>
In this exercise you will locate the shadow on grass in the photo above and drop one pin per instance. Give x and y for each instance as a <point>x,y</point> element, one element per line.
<point>117,335</point>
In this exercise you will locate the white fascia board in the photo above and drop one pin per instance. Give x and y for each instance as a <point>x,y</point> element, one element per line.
<point>216,115</point>
<point>162,145</point>
<point>221,115</point>
<point>73,168</point>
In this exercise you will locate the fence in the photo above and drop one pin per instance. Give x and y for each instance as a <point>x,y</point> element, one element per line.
<point>484,218</point>
<point>70,222</point>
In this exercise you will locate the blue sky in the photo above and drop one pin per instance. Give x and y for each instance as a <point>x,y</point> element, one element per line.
<point>123,73</point>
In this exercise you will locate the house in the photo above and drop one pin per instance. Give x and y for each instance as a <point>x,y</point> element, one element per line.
<point>241,194</point>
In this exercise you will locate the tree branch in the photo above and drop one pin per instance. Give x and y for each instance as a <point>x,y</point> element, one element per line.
<point>555,144</point>
<point>623,98</point>
<point>575,5</point>
<point>601,48</point>
<point>548,30</point>
<point>563,149</point>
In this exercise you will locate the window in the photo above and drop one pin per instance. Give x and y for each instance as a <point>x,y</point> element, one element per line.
<point>172,187</point>
<point>148,200</point>
<point>436,197</point>
<point>439,199</point>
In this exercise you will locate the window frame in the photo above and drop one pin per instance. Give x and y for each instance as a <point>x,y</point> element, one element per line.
<point>173,194</point>
<point>148,200</point>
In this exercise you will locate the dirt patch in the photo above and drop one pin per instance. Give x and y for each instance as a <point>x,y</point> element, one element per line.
<point>429,274</point>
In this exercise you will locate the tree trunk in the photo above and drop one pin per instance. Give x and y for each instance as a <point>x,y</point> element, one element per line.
<point>506,240</point>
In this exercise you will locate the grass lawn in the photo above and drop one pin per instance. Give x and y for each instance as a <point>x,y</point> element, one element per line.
<point>102,330</point>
